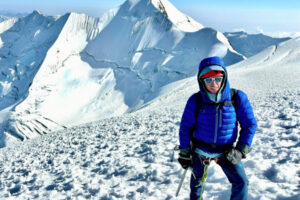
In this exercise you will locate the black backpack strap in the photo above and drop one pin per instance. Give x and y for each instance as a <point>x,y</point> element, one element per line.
<point>198,107</point>
<point>233,94</point>
<point>199,104</point>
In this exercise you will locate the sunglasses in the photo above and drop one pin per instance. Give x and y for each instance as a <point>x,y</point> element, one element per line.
<point>210,80</point>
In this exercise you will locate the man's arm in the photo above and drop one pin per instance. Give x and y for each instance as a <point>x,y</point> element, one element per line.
<point>246,119</point>
<point>187,123</point>
<point>248,127</point>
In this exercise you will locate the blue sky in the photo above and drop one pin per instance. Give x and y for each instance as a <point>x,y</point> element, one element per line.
<point>271,17</point>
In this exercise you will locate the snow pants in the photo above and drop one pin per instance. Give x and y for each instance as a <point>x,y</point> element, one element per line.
<point>235,174</point>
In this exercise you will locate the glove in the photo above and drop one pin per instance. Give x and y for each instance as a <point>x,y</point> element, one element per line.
<point>185,158</point>
<point>236,154</point>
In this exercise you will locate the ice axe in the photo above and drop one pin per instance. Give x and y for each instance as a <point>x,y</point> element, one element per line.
<point>181,181</point>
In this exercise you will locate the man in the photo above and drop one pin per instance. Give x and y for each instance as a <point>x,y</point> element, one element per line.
<point>209,129</point>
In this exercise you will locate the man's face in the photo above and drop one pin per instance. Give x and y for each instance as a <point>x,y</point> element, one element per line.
<point>213,84</point>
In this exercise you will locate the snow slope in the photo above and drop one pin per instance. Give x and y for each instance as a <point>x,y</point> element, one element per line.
<point>129,157</point>
<point>97,68</point>
<point>251,44</point>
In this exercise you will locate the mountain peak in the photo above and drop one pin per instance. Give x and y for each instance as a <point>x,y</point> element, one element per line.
<point>35,13</point>
<point>146,8</point>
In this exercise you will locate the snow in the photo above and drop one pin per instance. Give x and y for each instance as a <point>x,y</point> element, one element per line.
<point>22,52</point>
<point>3,18</point>
<point>180,20</point>
<point>280,62</point>
<point>7,24</point>
<point>77,84</point>
<point>129,157</point>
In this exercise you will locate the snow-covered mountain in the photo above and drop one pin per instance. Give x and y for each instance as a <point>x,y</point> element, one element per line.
<point>63,71</point>
<point>3,18</point>
<point>12,14</point>
<point>129,157</point>
<point>251,44</point>
<point>5,15</point>
<point>24,43</point>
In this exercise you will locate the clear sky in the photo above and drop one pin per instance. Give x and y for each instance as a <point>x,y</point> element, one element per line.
<point>271,17</point>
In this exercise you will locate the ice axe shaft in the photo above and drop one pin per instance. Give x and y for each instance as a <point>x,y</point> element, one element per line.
<point>181,181</point>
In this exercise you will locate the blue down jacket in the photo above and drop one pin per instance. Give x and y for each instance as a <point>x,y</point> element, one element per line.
<point>217,124</point>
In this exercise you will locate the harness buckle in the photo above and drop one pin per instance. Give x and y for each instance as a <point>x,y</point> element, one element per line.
<point>206,161</point>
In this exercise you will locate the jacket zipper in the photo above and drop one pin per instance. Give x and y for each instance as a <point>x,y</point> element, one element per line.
<point>216,125</point>
<point>220,124</point>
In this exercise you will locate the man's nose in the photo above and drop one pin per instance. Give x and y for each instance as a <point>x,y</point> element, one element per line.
<point>213,82</point>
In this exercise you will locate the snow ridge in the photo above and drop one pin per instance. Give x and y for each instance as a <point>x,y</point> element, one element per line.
<point>180,20</point>
<point>251,44</point>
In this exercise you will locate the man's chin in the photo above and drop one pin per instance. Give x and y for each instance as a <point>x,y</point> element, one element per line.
<point>213,91</point>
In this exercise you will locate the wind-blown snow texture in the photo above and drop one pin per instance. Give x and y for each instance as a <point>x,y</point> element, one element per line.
<point>129,157</point>
<point>67,70</point>
<point>251,44</point>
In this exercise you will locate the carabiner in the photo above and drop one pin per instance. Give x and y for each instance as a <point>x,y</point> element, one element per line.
<point>206,162</point>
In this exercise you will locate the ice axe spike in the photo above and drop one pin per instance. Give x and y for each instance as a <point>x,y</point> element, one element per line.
<point>181,181</point>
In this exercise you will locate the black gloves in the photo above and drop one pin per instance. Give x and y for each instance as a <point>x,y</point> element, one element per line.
<point>236,154</point>
<point>185,159</point>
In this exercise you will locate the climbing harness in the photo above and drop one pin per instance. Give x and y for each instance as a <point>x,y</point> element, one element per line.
<point>205,163</point>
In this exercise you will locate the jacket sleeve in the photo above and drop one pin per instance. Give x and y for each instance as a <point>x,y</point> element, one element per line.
<point>246,119</point>
<point>187,123</point>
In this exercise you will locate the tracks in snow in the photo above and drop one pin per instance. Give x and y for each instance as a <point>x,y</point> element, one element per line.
<point>128,157</point>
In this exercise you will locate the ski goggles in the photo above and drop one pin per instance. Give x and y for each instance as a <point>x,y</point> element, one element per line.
<point>211,79</point>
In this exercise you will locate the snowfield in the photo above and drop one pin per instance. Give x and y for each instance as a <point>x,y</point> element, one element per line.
<point>130,157</point>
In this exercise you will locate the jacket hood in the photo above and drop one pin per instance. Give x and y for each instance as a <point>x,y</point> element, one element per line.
<point>210,63</point>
